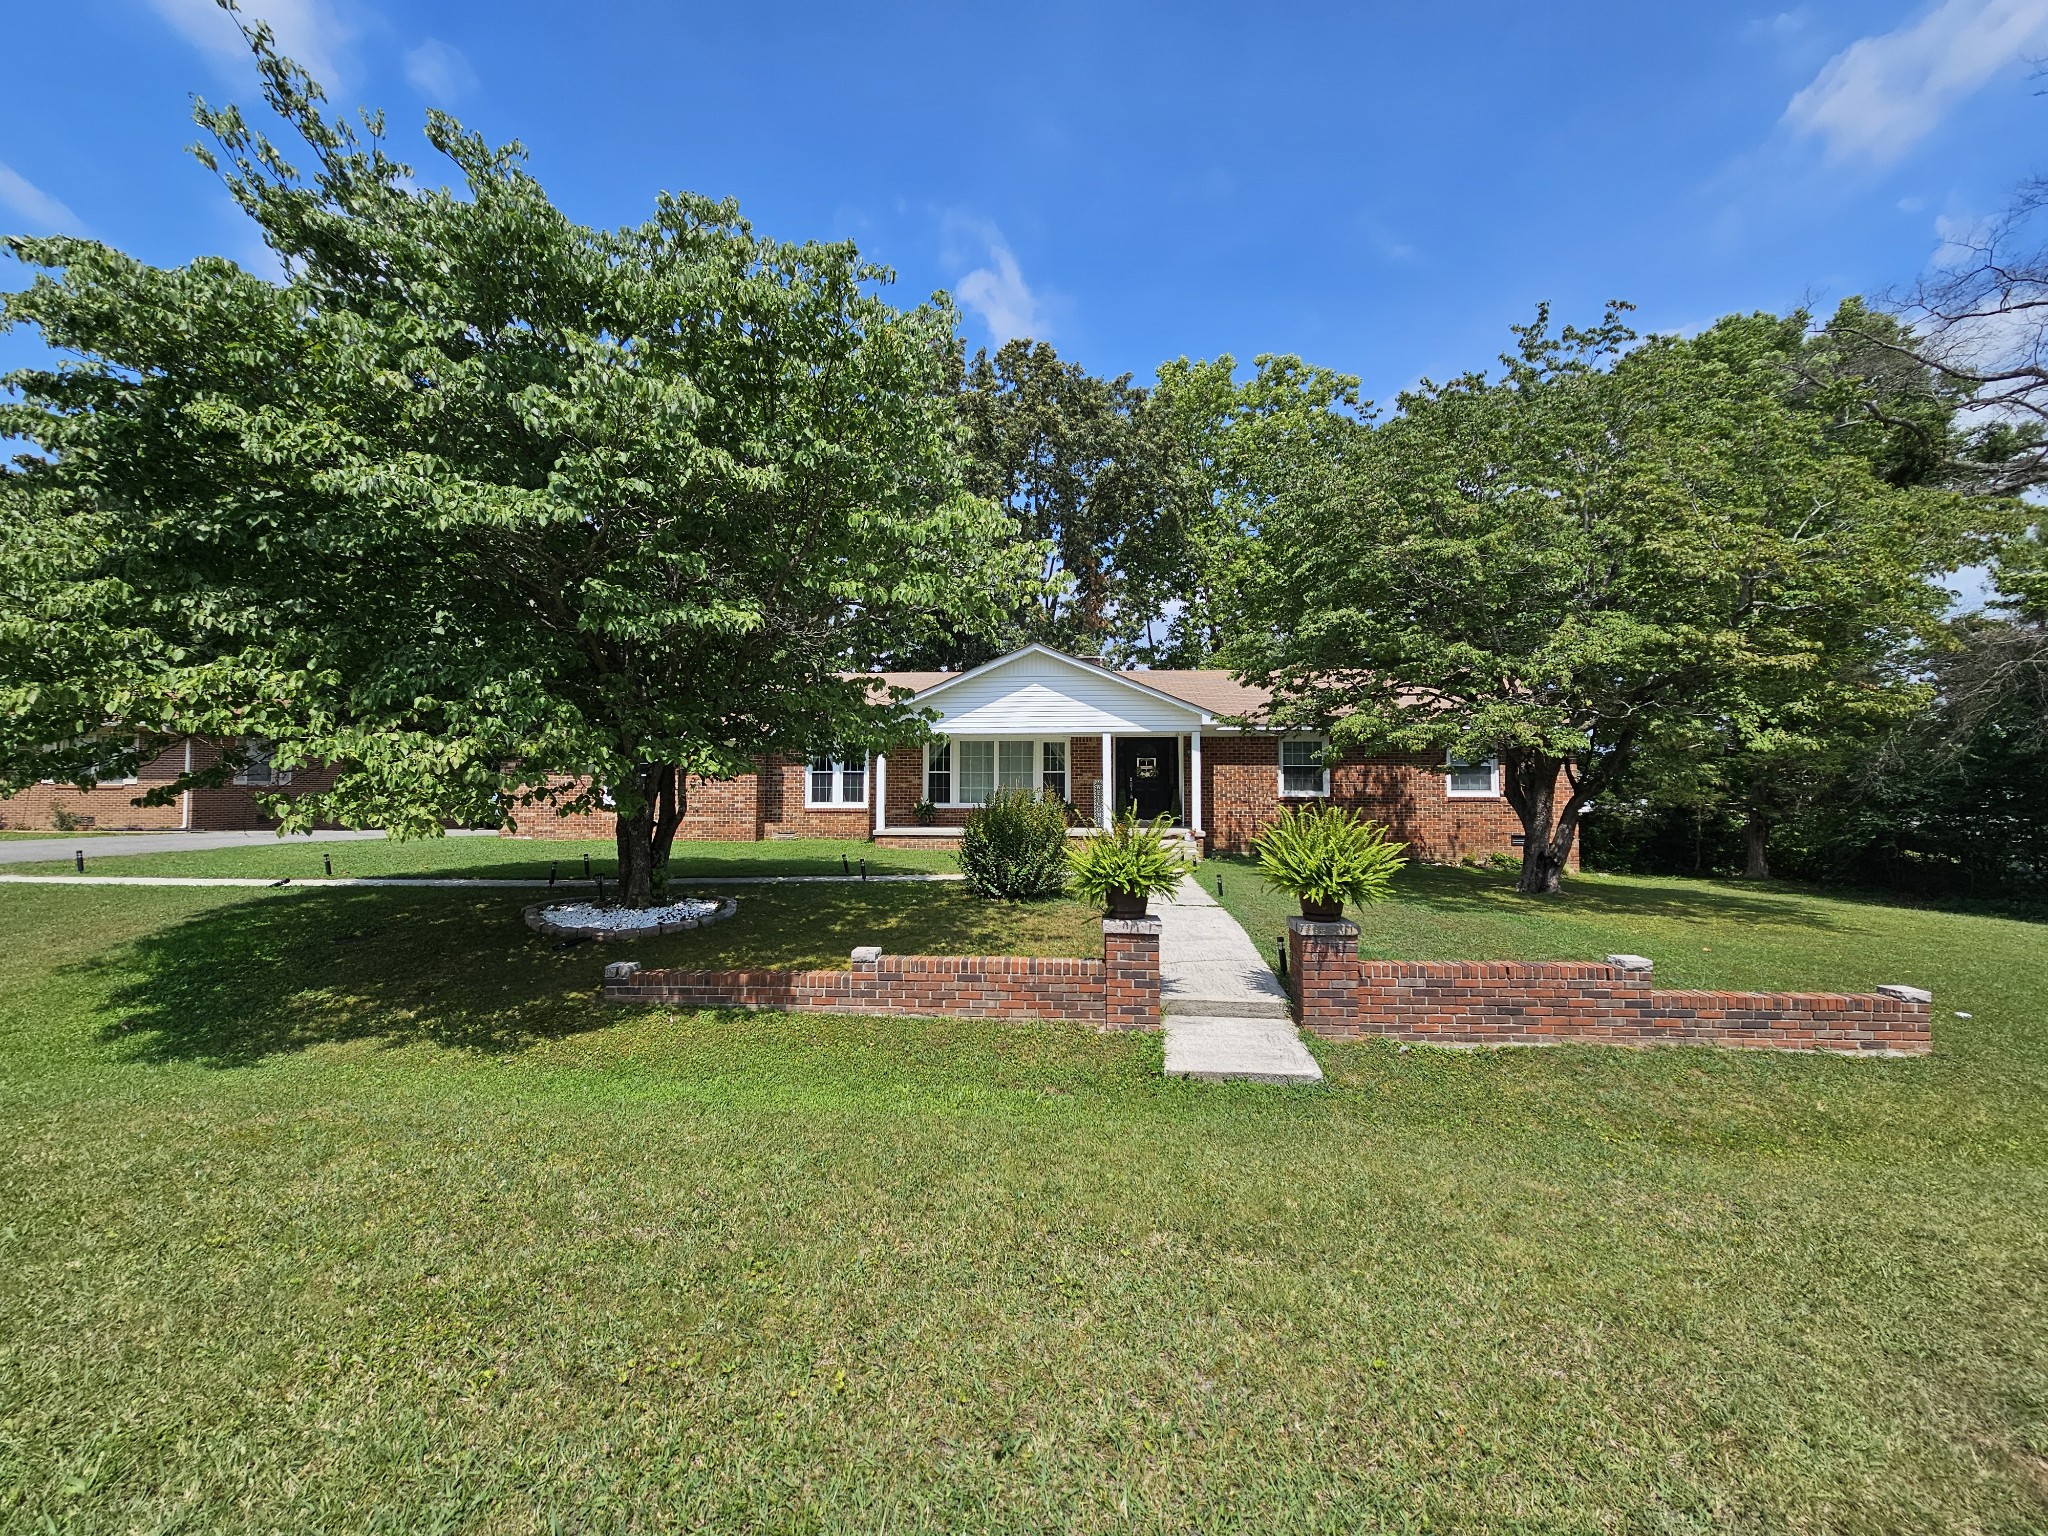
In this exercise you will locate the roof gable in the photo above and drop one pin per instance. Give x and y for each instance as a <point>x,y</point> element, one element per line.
<point>1041,690</point>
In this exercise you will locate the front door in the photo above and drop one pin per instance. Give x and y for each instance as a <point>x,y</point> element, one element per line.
<point>1148,776</point>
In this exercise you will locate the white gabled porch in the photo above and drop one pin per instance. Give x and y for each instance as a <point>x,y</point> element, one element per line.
<point>1044,721</point>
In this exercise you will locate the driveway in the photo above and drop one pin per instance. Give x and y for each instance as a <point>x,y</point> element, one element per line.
<point>37,850</point>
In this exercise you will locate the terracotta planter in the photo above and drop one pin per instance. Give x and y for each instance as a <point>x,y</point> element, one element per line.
<point>1322,911</point>
<point>1128,904</point>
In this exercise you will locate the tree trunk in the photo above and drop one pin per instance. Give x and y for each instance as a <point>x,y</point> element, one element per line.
<point>650,811</point>
<point>1530,783</point>
<point>1755,836</point>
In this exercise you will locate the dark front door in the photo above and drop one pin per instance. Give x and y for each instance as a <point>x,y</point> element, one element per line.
<point>1148,776</point>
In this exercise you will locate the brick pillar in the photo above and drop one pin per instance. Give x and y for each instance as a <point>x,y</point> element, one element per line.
<point>1322,964</point>
<point>1130,953</point>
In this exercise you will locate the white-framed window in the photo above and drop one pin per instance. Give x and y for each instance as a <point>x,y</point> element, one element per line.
<point>1052,767</point>
<point>1471,781</point>
<point>260,770</point>
<point>1303,773</point>
<point>835,781</point>
<point>967,770</point>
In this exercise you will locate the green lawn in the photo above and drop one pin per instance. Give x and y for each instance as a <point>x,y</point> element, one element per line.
<point>21,833</point>
<point>354,1210</point>
<point>508,858</point>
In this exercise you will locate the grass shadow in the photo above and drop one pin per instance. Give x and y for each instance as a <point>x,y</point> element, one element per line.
<point>231,985</point>
<point>459,969</point>
<point>1449,889</point>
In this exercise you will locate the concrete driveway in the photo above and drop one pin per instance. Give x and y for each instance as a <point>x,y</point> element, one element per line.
<point>38,850</point>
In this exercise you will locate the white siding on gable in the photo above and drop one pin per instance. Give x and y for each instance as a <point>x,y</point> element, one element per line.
<point>1038,695</point>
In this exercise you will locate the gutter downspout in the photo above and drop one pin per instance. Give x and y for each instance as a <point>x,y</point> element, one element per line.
<point>185,800</point>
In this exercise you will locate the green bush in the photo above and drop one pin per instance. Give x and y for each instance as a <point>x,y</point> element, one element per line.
<point>1327,856</point>
<point>1014,848</point>
<point>1129,860</point>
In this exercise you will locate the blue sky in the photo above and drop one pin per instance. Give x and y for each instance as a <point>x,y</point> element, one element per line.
<point>1381,188</point>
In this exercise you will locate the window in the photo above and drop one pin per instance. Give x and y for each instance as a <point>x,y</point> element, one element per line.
<point>977,771</point>
<point>1016,764</point>
<point>260,770</point>
<point>1053,769</point>
<point>1467,780</point>
<point>1301,766</point>
<point>836,781</point>
<point>967,771</point>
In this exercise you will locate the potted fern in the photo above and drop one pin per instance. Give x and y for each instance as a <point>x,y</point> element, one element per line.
<point>1325,856</point>
<point>1122,868</point>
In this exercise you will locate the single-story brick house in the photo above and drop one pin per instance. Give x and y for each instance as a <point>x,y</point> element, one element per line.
<point>110,804</point>
<point>1186,744</point>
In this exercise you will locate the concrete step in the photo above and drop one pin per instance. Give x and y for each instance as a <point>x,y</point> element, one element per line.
<point>1213,1049</point>
<point>1228,1007</point>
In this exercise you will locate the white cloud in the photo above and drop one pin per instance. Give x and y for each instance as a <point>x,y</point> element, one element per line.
<point>1882,94</point>
<point>307,31</point>
<point>29,202</point>
<point>439,71</point>
<point>997,291</point>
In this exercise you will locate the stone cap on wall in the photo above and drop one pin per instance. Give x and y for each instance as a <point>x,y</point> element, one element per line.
<point>1632,962</point>
<point>1132,925</point>
<point>1318,928</point>
<point>1904,993</point>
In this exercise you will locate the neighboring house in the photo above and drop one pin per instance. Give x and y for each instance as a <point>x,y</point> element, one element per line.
<point>111,803</point>
<point>1164,742</point>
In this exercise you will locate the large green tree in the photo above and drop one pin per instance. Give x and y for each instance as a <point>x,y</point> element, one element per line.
<point>1609,539</point>
<point>480,504</point>
<point>1090,472</point>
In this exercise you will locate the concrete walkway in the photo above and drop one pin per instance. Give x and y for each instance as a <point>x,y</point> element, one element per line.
<point>40,850</point>
<point>1227,1017</point>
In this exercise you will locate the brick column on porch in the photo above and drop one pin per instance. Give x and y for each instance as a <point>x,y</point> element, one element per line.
<point>1130,952</point>
<point>1322,970</point>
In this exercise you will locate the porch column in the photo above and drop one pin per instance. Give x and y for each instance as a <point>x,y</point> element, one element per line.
<point>880,785</point>
<point>1108,778</point>
<point>1195,781</point>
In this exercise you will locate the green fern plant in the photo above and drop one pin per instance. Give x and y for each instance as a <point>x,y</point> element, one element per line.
<point>1325,856</point>
<point>1121,868</point>
<point>1014,848</point>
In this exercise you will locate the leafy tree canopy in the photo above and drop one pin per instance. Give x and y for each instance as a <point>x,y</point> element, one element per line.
<point>1556,565</point>
<point>477,499</point>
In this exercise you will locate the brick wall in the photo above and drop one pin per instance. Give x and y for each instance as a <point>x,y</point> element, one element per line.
<point>1515,1002</point>
<point>1130,950</point>
<point>1118,992</point>
<point>1241,793</point>
<point>230,808</point>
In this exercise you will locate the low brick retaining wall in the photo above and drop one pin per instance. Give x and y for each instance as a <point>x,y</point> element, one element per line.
<point>1517,1002</point>
<point>1120,991</point>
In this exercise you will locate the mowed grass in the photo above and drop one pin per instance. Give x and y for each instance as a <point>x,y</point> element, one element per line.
<point>506,858</point>
<point>355,1210</point>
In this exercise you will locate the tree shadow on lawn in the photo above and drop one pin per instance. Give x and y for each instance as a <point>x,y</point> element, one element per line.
<point>1449,889</point>
<point>234,984</point>
<point>280,973</point>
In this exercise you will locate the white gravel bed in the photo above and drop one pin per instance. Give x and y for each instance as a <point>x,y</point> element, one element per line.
<point>587,914</point>
<point>587,920</point>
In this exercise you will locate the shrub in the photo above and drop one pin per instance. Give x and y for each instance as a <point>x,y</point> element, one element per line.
<point>1327,856</point>
<point>1014,848</point>
<point>61,817</point>
<point>1129,860</point>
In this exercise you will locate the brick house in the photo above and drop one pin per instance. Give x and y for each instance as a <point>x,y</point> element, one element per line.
<point>110,804</point>
<point>1185,744</point>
